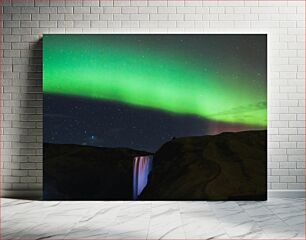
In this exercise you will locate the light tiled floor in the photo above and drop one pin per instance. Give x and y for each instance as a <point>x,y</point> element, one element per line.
<point>273,219</point>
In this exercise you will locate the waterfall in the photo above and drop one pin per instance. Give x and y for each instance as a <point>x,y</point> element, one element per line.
<point>141,169</point>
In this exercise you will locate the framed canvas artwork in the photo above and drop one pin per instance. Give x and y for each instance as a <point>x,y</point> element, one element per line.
<point>155,116</point>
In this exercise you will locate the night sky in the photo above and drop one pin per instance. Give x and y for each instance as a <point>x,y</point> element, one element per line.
<point>140,91</point>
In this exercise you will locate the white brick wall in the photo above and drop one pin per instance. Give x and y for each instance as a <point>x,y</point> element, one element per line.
<point>24,21</point>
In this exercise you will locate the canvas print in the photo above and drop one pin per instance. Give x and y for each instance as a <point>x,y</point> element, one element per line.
<point>155,116</point>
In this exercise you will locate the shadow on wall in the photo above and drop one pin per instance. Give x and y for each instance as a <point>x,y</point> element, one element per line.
<point>30,106</point>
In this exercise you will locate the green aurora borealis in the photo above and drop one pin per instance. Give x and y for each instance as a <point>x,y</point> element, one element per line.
<point>160,72</point>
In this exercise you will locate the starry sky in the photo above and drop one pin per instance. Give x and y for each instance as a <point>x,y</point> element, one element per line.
<point>141,90</point>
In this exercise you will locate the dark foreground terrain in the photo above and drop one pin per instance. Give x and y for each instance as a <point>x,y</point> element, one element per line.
<point>228,166</point>
<point>78,172</point>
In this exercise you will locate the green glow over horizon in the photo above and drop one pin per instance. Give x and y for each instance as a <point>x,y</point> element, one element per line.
<point>94,66</point>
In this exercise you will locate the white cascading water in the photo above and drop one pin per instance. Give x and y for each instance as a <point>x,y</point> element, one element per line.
<point>142,168</point>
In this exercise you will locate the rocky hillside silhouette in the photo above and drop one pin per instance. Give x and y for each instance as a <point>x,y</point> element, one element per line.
<point>228,166</point>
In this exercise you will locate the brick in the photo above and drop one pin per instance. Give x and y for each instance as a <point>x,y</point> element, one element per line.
<point>230,3</point>
<point>143,16</point>
<point>295,172</point>
<point>297,138</point>
<point>228,17</point>
<point>148,24</point>
<point>287,9</point>
<point>161,17</point>
<point>91,16</point>
<point>65,10</point>
<point>185,10</point>
<point>167,24</point>
<point>112,10</point>
<point>210,17</point>
<point>300,164</point>
<point>29,24</point>
<point>27,179</point>
<point>48,10</point>
<point>21,31</point>
<point>19,173</point>
<point>300,179</point>
<point>288,179</point>
<point>242,10</point>
<point>221,24</point>
<point>20,46</point>
<point>273,179</point>
<point>298,152</point>
<point>57,17</point>
<point>25,16</point>
<point>11,9</point>
<point>73,16</point>
<point>273,165</point>
<point>36,173</point>
<point>61,3</point>
<point>96,10</point>
<point>104,17</point>
<point>82,24</point>
<point>138,3</point>
<point>6,172</point>
<point>129,10</point>
<point>157,3</point>
<point>195,3</point>
<point>202,10</point>
<point>81,10</point>
<point>296,186</point>
<point>74,3</point>
<point>98,24</point>
<point>176,17</point>
<point>280,172</point>
<point>121,17</point>
<point>91,3</point>
<point>65,24</point>
<point>147,9</point>
<point>184,24</point>
<point>265,24</point>
<point>190,17</point>
<point>287,131</point>
<point>166,10</point>
<point>121,3</point>
<point>176,3</point>
<point>29,10</point>
<point>11,179</point>
<point>242,24</point>
<point>42,3</point>
<point>287,165</point>
<point>11,24</point>
<point>11,53</point>
<point>23,3</point>
<point>297,124</point>
<point>277,186</point>
<point>130,24</point>
<point>47,23</point>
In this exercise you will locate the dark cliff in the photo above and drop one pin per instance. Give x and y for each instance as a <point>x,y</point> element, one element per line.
<point>228,166</point>
<point>78,172</point>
